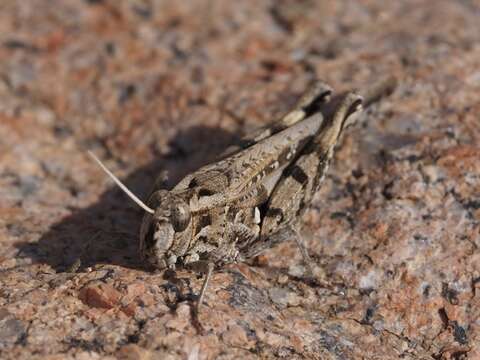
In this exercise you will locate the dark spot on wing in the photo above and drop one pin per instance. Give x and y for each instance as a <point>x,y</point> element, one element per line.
<point>297,173</point>
<point>205,220</point>
<point>275,212</point>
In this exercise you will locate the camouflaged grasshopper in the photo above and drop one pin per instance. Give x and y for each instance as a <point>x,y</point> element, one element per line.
<point>254,196</point>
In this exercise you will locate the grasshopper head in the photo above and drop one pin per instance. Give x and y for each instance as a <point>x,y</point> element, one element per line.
<point>164,224</point>
<point>159,230</point>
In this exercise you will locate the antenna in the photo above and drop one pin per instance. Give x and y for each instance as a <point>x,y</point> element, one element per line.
<point>121,185</point>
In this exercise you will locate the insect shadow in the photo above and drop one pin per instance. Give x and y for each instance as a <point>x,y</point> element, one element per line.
<point>107,231</point>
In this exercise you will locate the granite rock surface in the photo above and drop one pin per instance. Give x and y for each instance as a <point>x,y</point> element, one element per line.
<point>154,86</point>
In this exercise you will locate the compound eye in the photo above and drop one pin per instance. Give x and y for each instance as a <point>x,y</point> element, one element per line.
<point>180,217</point>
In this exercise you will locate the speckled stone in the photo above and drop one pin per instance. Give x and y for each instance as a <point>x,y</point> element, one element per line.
<point>154,86</point>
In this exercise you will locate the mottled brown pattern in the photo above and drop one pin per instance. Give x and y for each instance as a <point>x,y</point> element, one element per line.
<point>160,85</point>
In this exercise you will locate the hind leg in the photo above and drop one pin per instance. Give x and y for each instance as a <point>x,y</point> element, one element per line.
<point>309,103</point>
<point>294,191</point>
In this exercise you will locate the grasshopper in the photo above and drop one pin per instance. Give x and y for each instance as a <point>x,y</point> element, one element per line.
<point>254,196</point>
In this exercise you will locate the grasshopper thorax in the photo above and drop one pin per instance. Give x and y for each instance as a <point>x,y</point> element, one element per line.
<point>159,230</point>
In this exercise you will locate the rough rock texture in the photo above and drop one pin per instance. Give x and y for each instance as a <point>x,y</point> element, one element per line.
<point>165,85</point>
